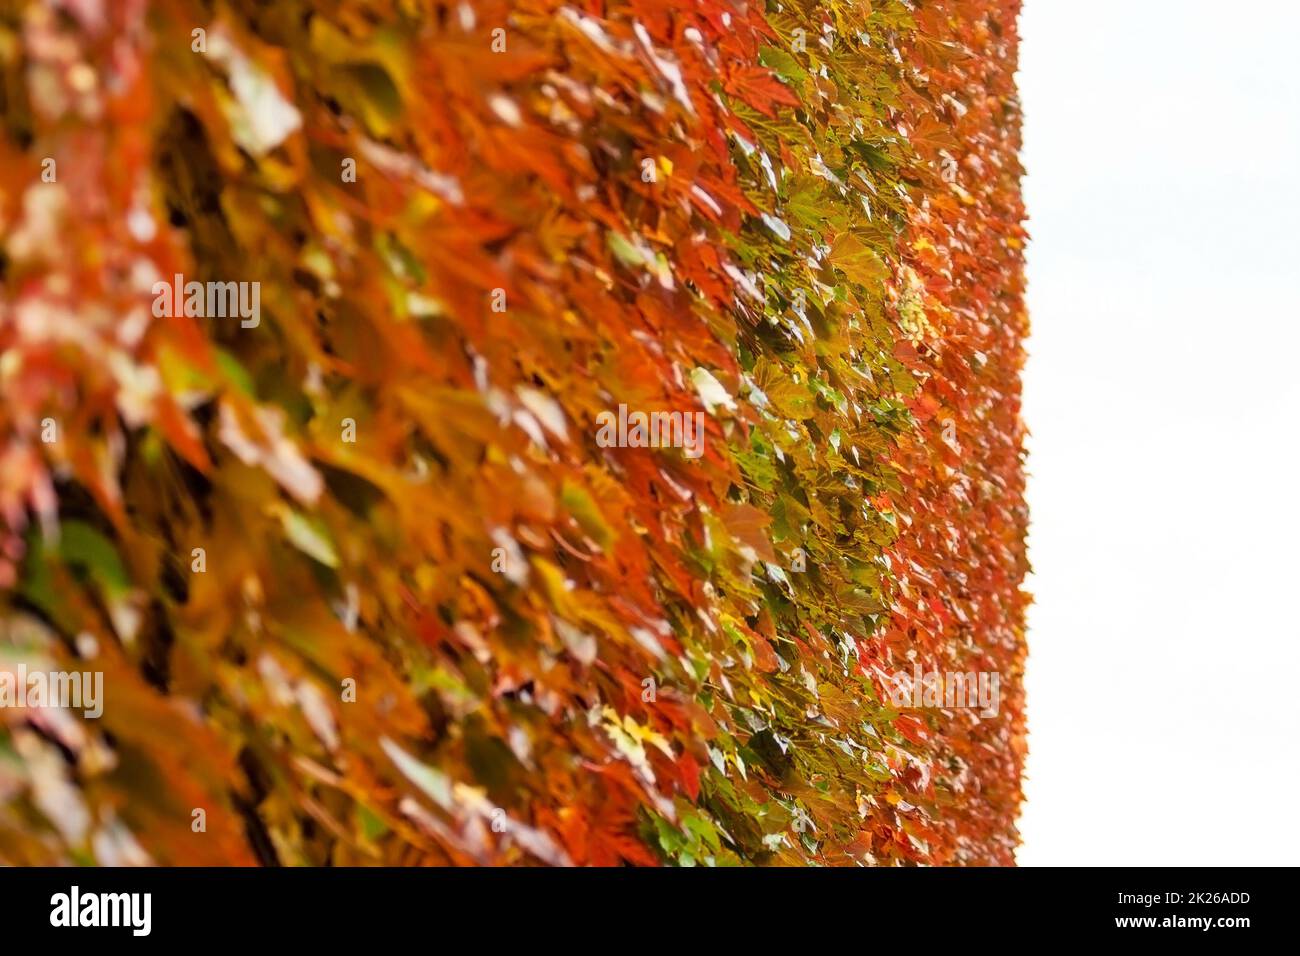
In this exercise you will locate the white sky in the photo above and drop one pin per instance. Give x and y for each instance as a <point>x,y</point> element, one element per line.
<point>1162,140</point>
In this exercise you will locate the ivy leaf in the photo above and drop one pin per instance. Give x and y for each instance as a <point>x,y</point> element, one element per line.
<point>859,263</point>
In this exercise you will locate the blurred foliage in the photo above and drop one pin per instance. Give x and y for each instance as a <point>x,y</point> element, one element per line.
<point>432,620</point>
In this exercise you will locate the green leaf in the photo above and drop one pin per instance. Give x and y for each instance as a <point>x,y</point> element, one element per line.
<point>309,536</point>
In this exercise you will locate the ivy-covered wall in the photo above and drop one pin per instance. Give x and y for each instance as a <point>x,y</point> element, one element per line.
<point>556,431</point>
